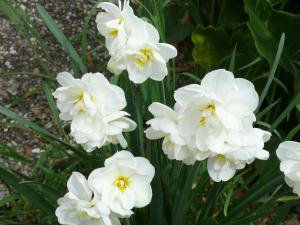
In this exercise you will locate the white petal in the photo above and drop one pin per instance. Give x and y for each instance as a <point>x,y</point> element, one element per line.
<point>78,185</point>
<point>220,82</point>
<point>220,169</point>
<point>66,79</point>
<point>167,51</point>
<point>142,191</point>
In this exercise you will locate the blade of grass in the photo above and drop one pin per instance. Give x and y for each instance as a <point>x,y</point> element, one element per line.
<point>179,213</point>
<point>285,113</point>
<point>62,39</point>
<point>292,133</point>
<point>272,73</point>
<point>8,151</point>
<point>266,185</point>
<point>53,109</point>
<point>26,192</point>
<point>266,110</point>
<point>232,60</point>
<point>192,76</point>
<point>39,130</point>
<point>22,20</point>
<point>8,199</point>
<point>157,204</point>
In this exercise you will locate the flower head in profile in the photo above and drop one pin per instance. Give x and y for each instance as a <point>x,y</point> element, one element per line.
<point>94,107</point>
<point>80,206</point>
<point>124,182</point>
<point>288,153</point>
<point>133,44</point>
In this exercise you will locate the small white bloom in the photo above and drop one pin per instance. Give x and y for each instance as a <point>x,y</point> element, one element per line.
<point>95,131</point>
<point>81,207</point>
<point>165,125</point>
<point>94,107</point>
<point>220,103</point>
<point>288,153</point>
<point>144,57</point>
<point>86,96</point>
<point>214,121</point>
<point>116,24</point>
<point>124,182</point>
<point>239,149</point>
<point>133,44</point>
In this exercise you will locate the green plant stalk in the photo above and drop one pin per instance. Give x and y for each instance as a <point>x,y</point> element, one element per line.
<point>181,204</point>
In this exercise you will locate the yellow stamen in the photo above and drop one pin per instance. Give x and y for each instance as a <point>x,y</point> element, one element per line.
<point>122,183</point>
<point>79,98</point>
<point>83,215</point>
<point>212,108</point>
<point>202,121</point>
<point>114,32</point>
<point>145,58</point>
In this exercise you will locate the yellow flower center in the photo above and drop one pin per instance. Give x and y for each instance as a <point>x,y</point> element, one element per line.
<point>211,108</point>
<point>79,98</point>
<point>83,215</point>
<point>222,160</point>
<point>145,58</point>
<point>207,111</point>
<point>114,32</point>
<point>122,183</point>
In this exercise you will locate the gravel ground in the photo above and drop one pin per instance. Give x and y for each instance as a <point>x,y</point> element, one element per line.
<point>16,56</point>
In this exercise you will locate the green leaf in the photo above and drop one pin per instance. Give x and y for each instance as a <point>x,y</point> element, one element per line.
<point>232,14</point>
<point>179,213</point>
<point>208,222</point>
<point>53,109</point>
<point>39,130</point>
<point>8,151</point>
<point>267,25</point>
<point>26,192</point>
<point>286,112</point>
<point>21,20</point>
<point>273,71</point>
<point>62,39</point>
<point>8,199</point>
<point>157,204</point>
<point>211,44</point>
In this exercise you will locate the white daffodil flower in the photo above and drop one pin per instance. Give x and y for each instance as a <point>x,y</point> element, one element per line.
<point>116,24</point>
<point>95,131</point>
<point>144,57</point>
<point>81,207</point>
<point>94,107</point>
<point>214,121</point>
<point>165,125</point>
<point>220,103</point>
<point>239,150</point>
<point>124,182</point>
<point>133,44</point>
<point>87,96</point>
<point>288,153</point>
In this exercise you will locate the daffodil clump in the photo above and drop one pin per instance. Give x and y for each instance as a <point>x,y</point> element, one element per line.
<point>210,121</point>
<point>214,121</point>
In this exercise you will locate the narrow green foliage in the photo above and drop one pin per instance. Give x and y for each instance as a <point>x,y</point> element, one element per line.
<point>62,39</point>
